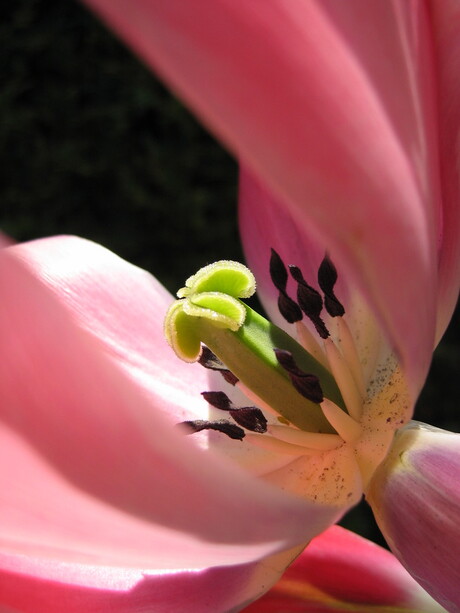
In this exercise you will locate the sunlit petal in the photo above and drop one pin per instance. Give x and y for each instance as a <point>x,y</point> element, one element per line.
<point>44,585</point>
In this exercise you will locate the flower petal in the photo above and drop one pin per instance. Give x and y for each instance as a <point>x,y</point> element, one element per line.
<point>123,307</point>
<point>415,496</point>
<point>446,29</point>
<point>340,569</point>
<point>331,104</point>
<point>97,472</point>
<point>36,585</point>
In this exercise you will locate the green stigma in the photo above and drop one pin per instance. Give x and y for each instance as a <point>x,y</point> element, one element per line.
<point>210,312</point>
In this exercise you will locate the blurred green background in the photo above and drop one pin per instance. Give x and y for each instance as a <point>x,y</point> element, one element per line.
<point>92,144</point>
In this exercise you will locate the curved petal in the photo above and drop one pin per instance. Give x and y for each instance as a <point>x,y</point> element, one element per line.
<point>34,585</point>
<point>331,104</point>
<point>340,569</point>
<point>93,469</point>
<point>446,30</point>
<point>123,307</point>
<point>415,496</point>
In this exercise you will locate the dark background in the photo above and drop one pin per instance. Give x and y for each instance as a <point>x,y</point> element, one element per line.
<point>92,144</point>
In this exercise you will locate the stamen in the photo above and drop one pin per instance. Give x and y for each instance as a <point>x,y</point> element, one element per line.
<point>288,308</point>
<point>345,380</point>
<point>310,301</point>
<point>231,430</point>
<point>307,385</point>
<point>345,426</point>
<point>278,272</point>
<point>312,440</point>
<point>310,344</point>
<point>351,355</point>
<point>250,418</point>
<point>209,360</point>
<point>219,400</point>
<point>327,278</point>
<point>276,445</point>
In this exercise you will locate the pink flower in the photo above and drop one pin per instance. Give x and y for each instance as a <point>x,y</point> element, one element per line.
<point>347,118</point>
<point>103,504</point>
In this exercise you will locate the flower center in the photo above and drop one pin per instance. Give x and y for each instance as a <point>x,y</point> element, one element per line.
<point>313,388</point>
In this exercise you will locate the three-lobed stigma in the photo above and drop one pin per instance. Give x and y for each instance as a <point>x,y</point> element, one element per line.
<point>211,295</point>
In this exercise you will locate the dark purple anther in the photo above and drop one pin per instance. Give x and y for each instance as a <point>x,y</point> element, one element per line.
<point>278,272</point>
<point>209,360</point>
<point>327,278</point>
<point>307,385</point>
<point>310,301</point>
<point>219,400</point>
<point>250,418</point>
<point>231,430</point>
<point>288,307</point>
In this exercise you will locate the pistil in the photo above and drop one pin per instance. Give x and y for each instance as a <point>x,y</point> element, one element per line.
<point>314,390</point>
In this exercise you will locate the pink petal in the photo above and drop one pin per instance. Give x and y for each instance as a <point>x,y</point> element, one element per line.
<point>34,585</point>
<point>446,26</point>
<point>94,471</point>
<point>338,570</point>
<point>123,307</point>
<point>415,496</point>
<point>331,104</point>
